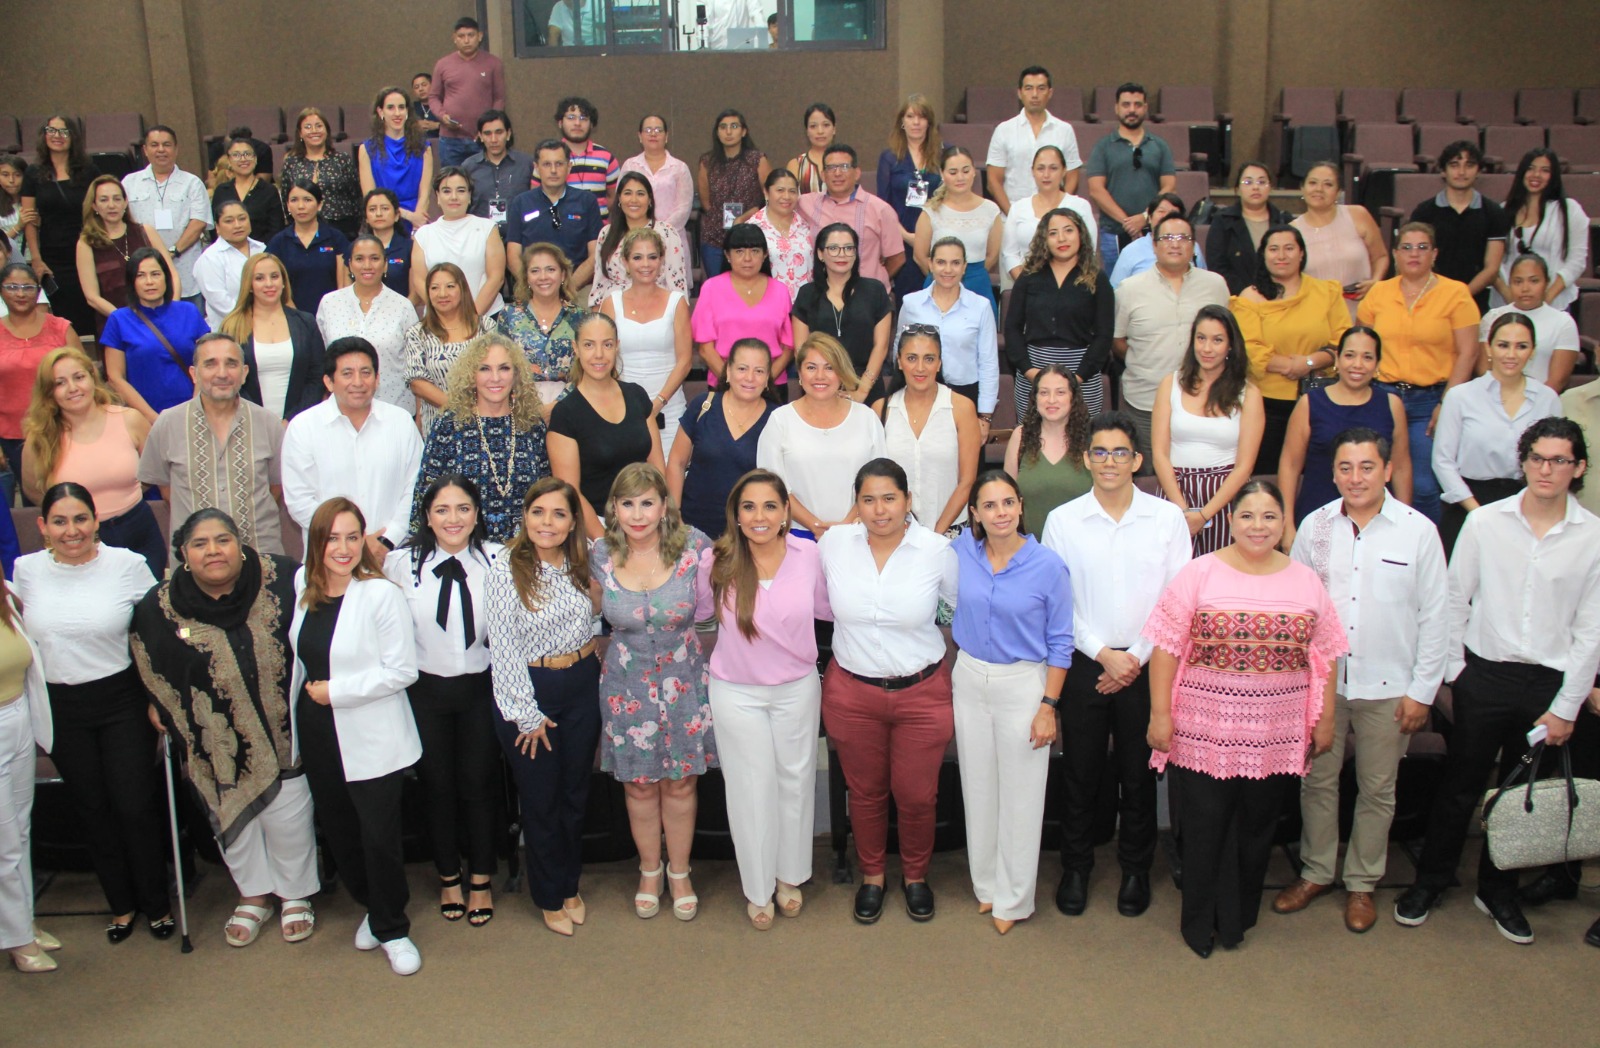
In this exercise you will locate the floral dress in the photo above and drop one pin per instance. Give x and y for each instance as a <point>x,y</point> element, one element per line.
<point>790,253</point>
<point>655,707</point>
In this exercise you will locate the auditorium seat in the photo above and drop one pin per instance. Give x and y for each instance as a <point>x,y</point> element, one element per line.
<point>1588,105</point>
<point>1432,138</point>
<point>356,119</point>
<point>1210,129</point>
<point>330,115</point>
<point>1367,105</point>
<point>1409,191</point>
<point>1505,144</point>
<point>1100,104</point>
<point>265,122</point>
<point>1193,187</point>
<point>1544,106</point>
<point>1428,105</point>
<point>112,132</point>
<point>30,126</point>
<point>1374,147</point>
<point>1088,134</point>
<point>1178,139</point>
<point>1304,130</point>
<point>991,105</point>
<point>1487,106</point>
<point>10,136</point>
<point>1578,146</point>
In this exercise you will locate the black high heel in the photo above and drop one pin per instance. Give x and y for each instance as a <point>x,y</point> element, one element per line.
<point>452,911</point>
<point>484,914</point>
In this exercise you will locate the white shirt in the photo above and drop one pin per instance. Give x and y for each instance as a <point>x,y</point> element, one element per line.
<point>442,652</point>
<point>376,466</point>
<point>1017,233</point>
<point>80,614</point>
<point>1013,145</point>
<point>1544,240</point>
<point>1553,329</point>
<point>1119,568</point>
<point>464,241</point>
<point>1388,584</point>
<point>385,323</point>
<point>1518,598</point>
<point>563,624</point>
<point>1475,438</point>
<point>170,206</point>
<point>884,621</point>
<point>819,465</point>
<point>216,277</point>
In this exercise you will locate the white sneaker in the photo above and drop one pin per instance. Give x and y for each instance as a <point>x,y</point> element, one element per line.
<point>403,956</point>
<point>365,940</point>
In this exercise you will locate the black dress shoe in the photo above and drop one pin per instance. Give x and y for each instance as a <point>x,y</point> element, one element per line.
<point>1202,952</point>
<point>1134,897</point>
<point>1592,936</point>
<point>118,932</point>
<point>869,903</point>
<point>1554,883</point>
<point>163,928</point>
<point>1072,894</point>
<point>919,901</point>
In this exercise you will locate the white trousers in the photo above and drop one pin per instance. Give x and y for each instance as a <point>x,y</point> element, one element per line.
<point>767,743</point>
<point>16,816</point>
<point>1002,778</point>
<point>277,852</point>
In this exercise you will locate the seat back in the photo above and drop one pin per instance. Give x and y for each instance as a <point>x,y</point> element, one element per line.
<point>265,122</point>
<point>1585,189</point>
<point>1102,104</point>
<point>1506,144</point>
<point>1315,106</point>
<point>1383,145</point>
<point>1186,105</point>
<point>1589,105</point>
<point>112,132</point>
<point>990,105</point>
<point>10,135</point>
<point>30,125</point>
<point>1487,106</point>
<point>1368,105</point>
<point>1544,106</point>
<point>1428,105</point>
<point>1193,187</point>
<point>1409,191</point>
<point>1496,186</point>
<point>1176,136</point>
<point>1578,145</point>
<point>1432,138</point>
<point>974,137</point>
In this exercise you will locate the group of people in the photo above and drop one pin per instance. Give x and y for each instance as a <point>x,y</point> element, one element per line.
<point>476,488</point>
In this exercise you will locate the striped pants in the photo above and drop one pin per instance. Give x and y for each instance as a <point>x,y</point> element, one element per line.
<point>1071,359</point>
<point>1198,487</point>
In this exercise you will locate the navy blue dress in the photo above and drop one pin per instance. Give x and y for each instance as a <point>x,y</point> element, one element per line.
<point>717,463</point>
<point>894,181</point>
<point>1328,420</point>
<point>314,270</point>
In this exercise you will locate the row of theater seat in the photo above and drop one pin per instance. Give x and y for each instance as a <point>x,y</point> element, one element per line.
<point>1416,147</point>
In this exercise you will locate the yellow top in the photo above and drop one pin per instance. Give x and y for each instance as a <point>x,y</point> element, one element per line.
<point>15,658</point>
<point>1296,327</point>
<point>1419,343</point>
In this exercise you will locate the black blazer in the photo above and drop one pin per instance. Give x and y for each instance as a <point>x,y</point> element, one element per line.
<point>1229,251</point>
<point>305,370</point>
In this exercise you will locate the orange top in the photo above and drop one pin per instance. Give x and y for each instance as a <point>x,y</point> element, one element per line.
<point>1311,321</point>
<point>108,467</point>
<point>1419,343</point>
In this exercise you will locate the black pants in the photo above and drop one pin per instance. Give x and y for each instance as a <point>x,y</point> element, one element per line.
<point>1225,830</point>
<point>1452,518</point>
<point>1496,704</point>
<point>138,531</point>
<point>360,821</point>
<point>455,718</point>
<point>1088,720</point>
<point>1277,427</point>
<point>553,785</point>
<point>106,752</point>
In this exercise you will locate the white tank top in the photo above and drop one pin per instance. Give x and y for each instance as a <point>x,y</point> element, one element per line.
<point>1202,441</point>
<point>273,360</point>
<point>465,242</point>
<point>932,461</point>
<point>649,350</point>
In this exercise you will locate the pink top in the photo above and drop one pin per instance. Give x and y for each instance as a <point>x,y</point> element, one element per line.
<point>790,253</point>
<point>721,316</point>
<point>108,467</point>
<point>1253,654</point>
<point>463,88</point>
<point>19,364</point>
<point>673,186</point>
<point>1336,251</point>
<point>785,648</point>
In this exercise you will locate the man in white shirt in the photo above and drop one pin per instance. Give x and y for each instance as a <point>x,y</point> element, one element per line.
<point>1524,645</point>
<point>1383,566</point>
<point>219,267</point>
<point>353,445</point>
<point>173,201</point>
<point>1122,548</point>
<point>1011,148</point>
<point>1155,318</point>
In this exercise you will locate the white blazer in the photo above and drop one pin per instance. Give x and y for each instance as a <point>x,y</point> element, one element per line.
<point>372,660</point>
<point>34,689</point>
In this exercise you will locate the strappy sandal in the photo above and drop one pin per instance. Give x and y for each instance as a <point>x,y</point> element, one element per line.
<point>789,900</point>
<point>645,904</point>
<point>452,911</point>
<point>760,916</point>
<point>686,908</point>
<point>297,911</point>
<point>249,918</point>
<point>482,915</point>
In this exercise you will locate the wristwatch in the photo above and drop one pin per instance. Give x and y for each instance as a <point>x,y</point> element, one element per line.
<point>1054,704</point>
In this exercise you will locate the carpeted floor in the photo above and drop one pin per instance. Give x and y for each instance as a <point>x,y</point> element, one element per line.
<point>1100,979</point>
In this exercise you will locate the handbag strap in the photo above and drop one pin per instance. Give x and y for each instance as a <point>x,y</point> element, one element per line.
<point>1529,761</point>
<point>157,331</point>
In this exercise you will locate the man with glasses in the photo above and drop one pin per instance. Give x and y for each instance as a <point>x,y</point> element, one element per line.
<point>1122,547</point>
<point>1524,646</point>
<point>594,168</point>
<point>1140,253</point>
<point>1126,170</point>
<point>499,173</point>
<point>174,202</point>
<point>1155,315</point>
<point>1471,230</point>
<point>465,83</point>
<point>552,211</point>
<point>881,248</point>
<point>1015,141</point>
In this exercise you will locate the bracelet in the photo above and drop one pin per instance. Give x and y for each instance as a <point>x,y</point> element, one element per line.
<point>1054,704</point>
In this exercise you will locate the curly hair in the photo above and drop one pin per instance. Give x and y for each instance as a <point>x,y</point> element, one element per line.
<point>1077,419</point>
<point>1039,247</point>
<point>461,385</point>
<point>635,479</point>
<point>42,424</point>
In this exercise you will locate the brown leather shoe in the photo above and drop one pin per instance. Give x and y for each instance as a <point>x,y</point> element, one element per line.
<point>1297,896</point>
<point>1359,913</point>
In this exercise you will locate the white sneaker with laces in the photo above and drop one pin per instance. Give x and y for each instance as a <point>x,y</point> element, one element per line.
<point>365,940</point>
<point>404,957</point>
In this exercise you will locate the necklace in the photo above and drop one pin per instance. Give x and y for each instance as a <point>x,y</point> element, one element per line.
<point>1412,300</point>
<point>122,249</point>
<point>543,326</point>
<point>504,487</point>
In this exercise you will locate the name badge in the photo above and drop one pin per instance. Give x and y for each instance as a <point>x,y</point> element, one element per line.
<point>163,218</point>
<point>731,210</point>
<point>917,194</point>
<point>497,211</point>
<point>531,215</point>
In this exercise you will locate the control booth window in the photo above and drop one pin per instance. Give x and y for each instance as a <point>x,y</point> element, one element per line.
<point>554,27</point>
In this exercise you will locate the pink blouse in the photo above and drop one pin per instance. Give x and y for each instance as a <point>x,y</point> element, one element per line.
<point>1254,652</point>
<point>673,186</point>
<point>722,317</point>
<point>791,252</point>
<point>785,648</point>
<point>613,276</point>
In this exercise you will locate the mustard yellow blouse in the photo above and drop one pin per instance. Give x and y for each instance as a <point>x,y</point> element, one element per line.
<point>1297,327</point>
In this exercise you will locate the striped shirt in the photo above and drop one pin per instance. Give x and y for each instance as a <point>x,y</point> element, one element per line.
<point>595,169</point>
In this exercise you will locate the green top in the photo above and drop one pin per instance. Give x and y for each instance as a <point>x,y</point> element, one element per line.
<point>1046,485</point>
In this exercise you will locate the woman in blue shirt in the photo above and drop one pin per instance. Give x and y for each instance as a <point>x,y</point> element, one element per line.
<point>908,173</point>
<point>396,156</point>
<point>1013,626</point>
<point>149,344</point>
<point>312,250</point>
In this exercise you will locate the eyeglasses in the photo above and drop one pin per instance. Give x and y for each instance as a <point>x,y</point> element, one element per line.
<point>19,287</point>
<point>653,131</point>
<point>1412,248</point>
<point>1138,157</point>
<point>1538,461</point>
<point>58,132</point>
<point>832,168</point>
<point>1253,182</point>
<point>839,250</point>
<point>1174,238</point>
<point>920,329</point>
<point>1121,456</point>
<point>242,156</point>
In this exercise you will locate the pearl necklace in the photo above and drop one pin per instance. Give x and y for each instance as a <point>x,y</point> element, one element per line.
<point>503,487</point>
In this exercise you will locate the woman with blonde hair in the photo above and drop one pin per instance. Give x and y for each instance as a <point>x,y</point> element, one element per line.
<point>106,244</point>
<point>1062,310</point>
<point>654,709</point>
<point>449,324</point>
<point>542,317</point>
<point>491,431</point>
<point>76,431</point>
<point>653,328</point>
<point>282,345</point>
<point>908,174</point>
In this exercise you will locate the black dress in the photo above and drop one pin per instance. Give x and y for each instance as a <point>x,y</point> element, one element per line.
<point>604,447</point>
<point>854,325</point>
<point>60,206</point>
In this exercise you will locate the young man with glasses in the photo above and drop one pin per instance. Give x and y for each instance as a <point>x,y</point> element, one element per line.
<point>1015,141</point>
<point>552,211</point>
<point>1470,229</point>
<point>1122,548</point>
<point>1524,646</point>
<point>882,248</point>
<point>1127,169</point>
<point>594,168</point>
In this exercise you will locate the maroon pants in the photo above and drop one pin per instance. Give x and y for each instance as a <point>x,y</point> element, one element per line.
<point>890,742</point>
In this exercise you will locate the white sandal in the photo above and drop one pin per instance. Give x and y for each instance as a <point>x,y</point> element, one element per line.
<point>645,904</point>
<point>297,911</point>
<point>249,918</point>
<point>687,907</point>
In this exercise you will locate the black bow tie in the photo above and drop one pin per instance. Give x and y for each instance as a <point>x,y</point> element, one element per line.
<point>449,572</point>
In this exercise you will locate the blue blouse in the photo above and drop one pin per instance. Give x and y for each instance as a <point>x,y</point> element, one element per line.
<point>393,168</point>
<point>1021,614</point>
<point>314,270</point>
<point>150,368</point>
<point>894,180</point>
<point>717,463</point>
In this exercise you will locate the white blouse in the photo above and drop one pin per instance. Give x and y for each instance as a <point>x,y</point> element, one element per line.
<point>884,620</point>
<point>820,465</point>
<point>80,614</point>
<point>384,324</point>
<point>564,623</point>
<point>972,227</point>
<point>273,362</point>
<point>464,241</point>
<point>1475,438</point>
<point>932,461</point>
<point>442,651</point>
<point>1544,240</point>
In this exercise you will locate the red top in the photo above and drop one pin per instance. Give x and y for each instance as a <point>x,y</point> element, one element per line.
<point>463,88</point>
<point>19,363</point>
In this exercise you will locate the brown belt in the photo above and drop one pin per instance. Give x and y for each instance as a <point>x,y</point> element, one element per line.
<point>561,662</point>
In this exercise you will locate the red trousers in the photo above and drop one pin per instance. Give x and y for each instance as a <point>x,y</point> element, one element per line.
<point>890,742</point>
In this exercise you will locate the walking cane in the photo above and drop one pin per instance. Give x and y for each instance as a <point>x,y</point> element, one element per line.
<point>177,860</point>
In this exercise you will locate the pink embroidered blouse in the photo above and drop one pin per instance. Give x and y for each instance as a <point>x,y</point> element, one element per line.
<point>1253,654</point>
<point>790,253</point>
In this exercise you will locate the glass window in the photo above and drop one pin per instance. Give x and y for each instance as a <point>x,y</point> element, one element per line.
<point>835,21</point>
<point>551,27</point>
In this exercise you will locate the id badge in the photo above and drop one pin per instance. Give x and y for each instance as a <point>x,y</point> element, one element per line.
<point>731,210</point>
<point>163,218</point>
<point>917,193</point>
<point>497,211</point>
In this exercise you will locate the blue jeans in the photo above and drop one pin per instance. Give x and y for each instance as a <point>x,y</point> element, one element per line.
<point>711,259</point>
<point>453,152</point>
<point>1420,405</point>
<point>1110,246</point>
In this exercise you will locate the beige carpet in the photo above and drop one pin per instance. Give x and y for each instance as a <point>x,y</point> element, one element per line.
<point>1100,979</point>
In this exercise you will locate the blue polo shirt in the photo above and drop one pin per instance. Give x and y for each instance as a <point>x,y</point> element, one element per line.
<point>314,270</point>
<point>571,223</point>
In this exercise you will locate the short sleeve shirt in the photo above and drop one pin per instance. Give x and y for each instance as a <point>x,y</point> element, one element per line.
<point>855,325</point>
<point>1131,187</point>
<point>571,223</point>
<point>1418,343</point>
<point>1013,145</point>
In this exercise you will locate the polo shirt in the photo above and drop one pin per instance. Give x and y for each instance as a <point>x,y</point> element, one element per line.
<point>1156,321</point>
<point>571,223</point>
<point>1418,344</point>
<point>1013,145</point>
<point>1132,188</point>
<point>1582,405</point>
<point>594,169</point>
<point>498,183</point>
<point>1463,236</point>
<point>313,270</point>
<point>875,222</point>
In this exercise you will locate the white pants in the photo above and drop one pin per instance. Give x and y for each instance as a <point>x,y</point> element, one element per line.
<point>767,743</point>
<point>277,852</point>
<point>16,815</point>
<point>1002,778</point>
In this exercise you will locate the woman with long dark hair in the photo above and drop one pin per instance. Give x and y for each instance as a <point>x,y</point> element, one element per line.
<point>1544,222</point>
<point>396,156</point>
<point>1046,452</point>
<point>1062,309</point>
<point>931,432</point>
<point>607,264</point>
<point>839,301</point>
<point>744,302</point>
<point>53,189</point>
<point>729,180</point>
<point>449,324</point>
<point>821,130</point>
<point>149,343</point>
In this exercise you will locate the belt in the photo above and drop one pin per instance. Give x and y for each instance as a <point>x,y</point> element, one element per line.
<point>561,662</point>
<point>1412,387</point>
<point>897,683</point>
